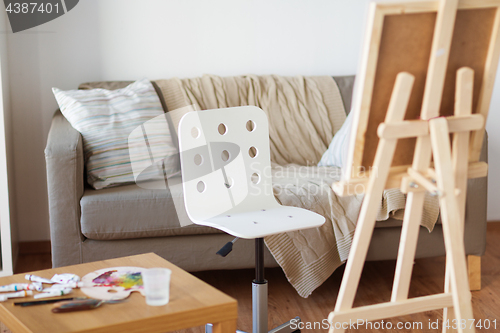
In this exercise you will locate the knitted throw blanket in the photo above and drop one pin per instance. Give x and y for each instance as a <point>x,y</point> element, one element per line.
<point>304,113</point>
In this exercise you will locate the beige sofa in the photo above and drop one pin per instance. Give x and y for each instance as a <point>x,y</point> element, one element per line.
<point>88,225</point>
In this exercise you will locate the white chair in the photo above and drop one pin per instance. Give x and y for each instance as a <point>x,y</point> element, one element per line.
<point>226,170</point>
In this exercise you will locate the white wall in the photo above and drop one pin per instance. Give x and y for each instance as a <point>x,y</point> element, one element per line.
<point>131,39</point>
<point>8,234</point>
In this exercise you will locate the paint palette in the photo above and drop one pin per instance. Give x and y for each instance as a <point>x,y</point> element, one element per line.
<point>113,283</point>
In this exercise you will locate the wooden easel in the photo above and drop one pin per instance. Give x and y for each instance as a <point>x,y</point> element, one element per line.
<point>446,176</point>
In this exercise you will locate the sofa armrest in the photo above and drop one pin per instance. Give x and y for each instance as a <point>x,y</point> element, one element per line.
<point>475,209</point>
<point>65,183</point>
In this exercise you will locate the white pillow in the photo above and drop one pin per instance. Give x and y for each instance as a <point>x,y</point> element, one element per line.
<point>336,154</point>
<point>106,118</point>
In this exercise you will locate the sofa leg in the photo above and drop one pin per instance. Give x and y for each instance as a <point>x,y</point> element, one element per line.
<point>474,268</point>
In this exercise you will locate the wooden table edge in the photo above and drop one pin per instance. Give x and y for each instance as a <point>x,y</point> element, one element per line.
<point>221,315</point>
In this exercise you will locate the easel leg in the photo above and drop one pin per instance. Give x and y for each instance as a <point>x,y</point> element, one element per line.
<point>407,245</point>
<point>371,202</point>
<point>452,227</point>
<point>448,314</point>
<point>474,268</point>
<point>463,107</point>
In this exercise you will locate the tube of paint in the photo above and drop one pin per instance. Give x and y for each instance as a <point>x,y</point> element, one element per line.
<point>36,286</point>
<point>53,293</point>
<point>67,285</point>
<point>65,278</point>
<point>22,293</point>
<point>21,286</point>
<point>31,286</point>
<point>14,287</point>
<point>35,278</point>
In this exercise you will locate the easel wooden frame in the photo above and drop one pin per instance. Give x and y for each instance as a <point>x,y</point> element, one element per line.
<point>446,176</point>
<point>357,173</point>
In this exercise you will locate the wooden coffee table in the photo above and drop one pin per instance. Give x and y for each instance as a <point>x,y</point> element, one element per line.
<point>192,303</point>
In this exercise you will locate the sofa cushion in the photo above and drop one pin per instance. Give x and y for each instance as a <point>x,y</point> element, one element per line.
<point>133,212</point>
<point>110,122</point>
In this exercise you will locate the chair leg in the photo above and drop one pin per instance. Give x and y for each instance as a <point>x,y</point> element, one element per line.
<point>225,327</point>
<point>211,328</point>
<point>259,310</point>
<point>287,327</point>
<point>259,301</point>
<point>259,307</point>
<point>474,269</point>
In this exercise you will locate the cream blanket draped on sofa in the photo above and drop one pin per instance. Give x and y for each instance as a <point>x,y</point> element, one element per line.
<point>304,114</point>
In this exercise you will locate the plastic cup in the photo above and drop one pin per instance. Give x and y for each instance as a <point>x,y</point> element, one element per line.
<point>156,283</point>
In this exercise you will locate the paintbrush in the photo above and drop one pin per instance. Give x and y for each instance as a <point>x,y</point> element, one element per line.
<point>47,301</point>
<point>80,305</point>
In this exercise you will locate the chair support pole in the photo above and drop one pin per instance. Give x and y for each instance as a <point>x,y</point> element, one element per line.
<point>259,290</point>
<point>259,260</point>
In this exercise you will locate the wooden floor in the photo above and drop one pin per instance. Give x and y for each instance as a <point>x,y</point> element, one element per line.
<point>376,284</point>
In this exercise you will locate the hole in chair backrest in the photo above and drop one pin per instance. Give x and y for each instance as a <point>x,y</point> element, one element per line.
<point>250,125</point>
<point>229,183</point>
<point>195,132</point>
<point>225,155</point>
<point>200,186</point>
<point>198,159</point>
<point>222,129</point>
<point>255,178</point>
<point>252,152</point>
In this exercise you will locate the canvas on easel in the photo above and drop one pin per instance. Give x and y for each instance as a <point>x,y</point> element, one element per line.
<point>428,70</point>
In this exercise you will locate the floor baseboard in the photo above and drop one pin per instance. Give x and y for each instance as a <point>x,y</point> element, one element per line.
<point>36,247</point>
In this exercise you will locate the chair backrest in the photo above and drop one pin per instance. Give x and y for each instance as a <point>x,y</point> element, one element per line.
<point>225,162</point>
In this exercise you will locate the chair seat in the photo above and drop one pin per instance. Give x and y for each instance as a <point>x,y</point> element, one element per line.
<point>129,212</point>
<point>264,222</point>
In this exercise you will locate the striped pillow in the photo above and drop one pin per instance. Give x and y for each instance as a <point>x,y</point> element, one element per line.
<point>106,118</point>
